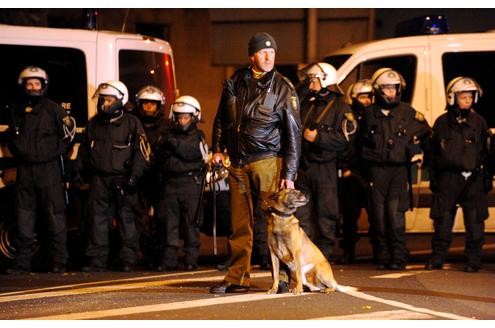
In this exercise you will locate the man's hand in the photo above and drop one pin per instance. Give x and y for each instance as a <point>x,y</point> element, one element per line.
<point>347,173</point>
<point>310,135</point>
<point>218,158</point>
<point>286,184</point>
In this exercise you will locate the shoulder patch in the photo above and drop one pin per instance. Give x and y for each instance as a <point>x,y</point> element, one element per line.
<point>144,147</point>
<point>349,116</point>
<point>294,103</point>
<point>418,116</point>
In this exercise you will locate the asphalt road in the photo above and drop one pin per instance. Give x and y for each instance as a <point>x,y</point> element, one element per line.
<point>410,294</point>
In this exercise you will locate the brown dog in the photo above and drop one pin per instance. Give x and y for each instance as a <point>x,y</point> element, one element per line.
<point>290,244</point>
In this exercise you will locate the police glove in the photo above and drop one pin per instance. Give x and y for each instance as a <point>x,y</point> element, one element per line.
<point>131,185</point>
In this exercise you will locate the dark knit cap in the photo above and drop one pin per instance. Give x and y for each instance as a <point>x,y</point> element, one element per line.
<point>261,40</point>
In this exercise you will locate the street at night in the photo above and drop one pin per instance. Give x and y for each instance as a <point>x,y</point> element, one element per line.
<point>411,294</point>
<point>131,138</point>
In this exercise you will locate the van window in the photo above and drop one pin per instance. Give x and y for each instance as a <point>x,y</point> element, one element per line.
<point>66,69</point>
<point>337,60</point>
<point>140,68</point>
<point>406,65</point>
<point>477,65</point>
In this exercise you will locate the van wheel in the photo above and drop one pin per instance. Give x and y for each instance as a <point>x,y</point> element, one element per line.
<point>7,249</point>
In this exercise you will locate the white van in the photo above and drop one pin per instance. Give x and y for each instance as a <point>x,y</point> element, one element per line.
<point>428,63</point>
<point>76,61</point>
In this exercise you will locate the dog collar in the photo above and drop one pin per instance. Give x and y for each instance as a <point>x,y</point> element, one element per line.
<point>279,213</point>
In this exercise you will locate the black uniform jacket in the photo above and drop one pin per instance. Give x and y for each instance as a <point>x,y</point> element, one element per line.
<point>457,146</point>
<point>388,140</point>
<point>267,126</point>
<point>154,133</point>
<point>351,157</point>
<point>40,136</point>
<point>330,138</point>
<point>114,147</point>
<point>179,153</point>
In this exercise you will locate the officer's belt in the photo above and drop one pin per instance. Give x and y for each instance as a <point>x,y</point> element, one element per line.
<point>251,158</point>
<point>455,171</point>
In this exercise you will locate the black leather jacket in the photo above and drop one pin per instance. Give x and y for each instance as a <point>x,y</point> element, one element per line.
<point>268,125</point>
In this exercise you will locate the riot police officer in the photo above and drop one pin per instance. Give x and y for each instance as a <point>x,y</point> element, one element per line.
<point>458,175</point>
<point>115,152</point>
<point>328,124</point>
<point>150,101</point>
<point>181,160</point>
<point>390,130</point>
<point>353,184</point>
<point>40,135</point>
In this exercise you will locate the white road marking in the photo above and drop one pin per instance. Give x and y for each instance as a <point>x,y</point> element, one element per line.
<point>205,302</point>
<point>399,274</point>
<point>103,282</point>
<point>109,288</point>
<point>381,315</point>
<point>113,288</point>
<point>164,307</point>
<point>372,298</point>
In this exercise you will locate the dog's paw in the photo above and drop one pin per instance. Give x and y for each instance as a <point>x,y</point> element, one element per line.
<point>296,291</point>
<point>328,290</point>
<point>272,290</point>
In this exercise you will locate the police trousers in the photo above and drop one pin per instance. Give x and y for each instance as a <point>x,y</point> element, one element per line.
<point>319,217</point>
<point>40,185</point>
<point>388,204</point>
<point>179,215</point>
<point>248,183</point>
<point>475,210</point>
<point>353,197</point>
<point>108,201</point>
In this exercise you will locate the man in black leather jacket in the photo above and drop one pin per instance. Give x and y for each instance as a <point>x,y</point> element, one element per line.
<point>258,124</point>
